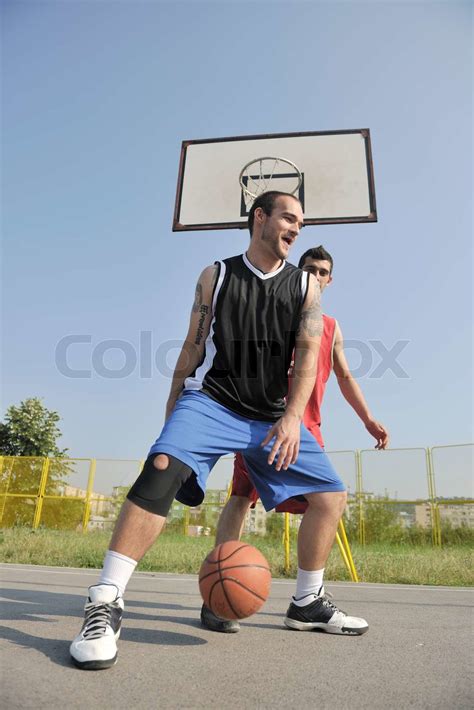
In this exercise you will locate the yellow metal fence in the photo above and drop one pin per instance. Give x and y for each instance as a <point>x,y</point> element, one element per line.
<point>84,494</point>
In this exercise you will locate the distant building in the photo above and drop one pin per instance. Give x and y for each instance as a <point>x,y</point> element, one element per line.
<point>407,519</point>
<point>215,497</point>
<point>100,503</point>
<point>458,515</point>
<point>71,491</point>
<point>97,522</point>
<point>256,520</point>
<point>176,511</point>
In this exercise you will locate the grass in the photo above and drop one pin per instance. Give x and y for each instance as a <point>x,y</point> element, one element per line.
<point>381,562</point>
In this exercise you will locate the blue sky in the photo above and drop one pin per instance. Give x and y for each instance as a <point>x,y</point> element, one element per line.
<point>97,99</point>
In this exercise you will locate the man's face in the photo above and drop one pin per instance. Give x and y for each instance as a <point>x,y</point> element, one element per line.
<point>321,269</point>
<point>281,228</point>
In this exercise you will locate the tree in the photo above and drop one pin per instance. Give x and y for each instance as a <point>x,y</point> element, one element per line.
<point>381,522</point>
<point>31,430</point>
<point>275,525</point>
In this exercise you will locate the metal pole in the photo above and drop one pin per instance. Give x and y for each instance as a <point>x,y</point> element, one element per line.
<point>7,486</point>
<point>360,499</point>
<point>435,517</point>
<point>40,496</point>
<point>87,502</point>
<point>286,541</point>
<point>343,543</point>
<point>344,555</point>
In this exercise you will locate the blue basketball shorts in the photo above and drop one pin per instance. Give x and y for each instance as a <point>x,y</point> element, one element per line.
<point>200,431</point>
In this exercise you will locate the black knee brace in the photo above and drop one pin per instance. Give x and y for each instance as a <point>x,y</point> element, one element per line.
<point>154,489</point>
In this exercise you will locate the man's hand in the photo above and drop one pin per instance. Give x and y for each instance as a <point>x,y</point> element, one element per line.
<point>286,432</point>
<point>379,433</point>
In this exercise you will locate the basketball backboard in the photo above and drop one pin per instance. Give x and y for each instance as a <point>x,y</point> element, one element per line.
<point>330,171</point>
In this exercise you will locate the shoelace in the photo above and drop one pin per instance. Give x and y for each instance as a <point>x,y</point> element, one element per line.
<point>97,619</point>
<point>329,604</point>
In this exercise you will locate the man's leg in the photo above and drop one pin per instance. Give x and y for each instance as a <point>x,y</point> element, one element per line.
<point>136,530</point>
<point>232,518</point>
<point>318,528</point>
<point>229,527</point>
<point>310,609</point>
<point>243,494</point>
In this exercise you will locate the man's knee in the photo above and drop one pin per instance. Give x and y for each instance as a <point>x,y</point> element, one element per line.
<point>161,462</point>
<point>342,501</point>
<point>334,503</point>
<point>161,478</point>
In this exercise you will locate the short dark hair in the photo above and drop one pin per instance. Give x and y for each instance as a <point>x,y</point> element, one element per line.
<point>318,253</point>
<point>266,201</point>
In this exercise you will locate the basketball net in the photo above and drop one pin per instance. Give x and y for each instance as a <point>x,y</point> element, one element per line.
<point>256,177</point>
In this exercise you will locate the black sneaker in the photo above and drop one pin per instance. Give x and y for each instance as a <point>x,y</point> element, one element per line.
<point>321,613</point>
<point>96,646</point>
<point>215,623</point>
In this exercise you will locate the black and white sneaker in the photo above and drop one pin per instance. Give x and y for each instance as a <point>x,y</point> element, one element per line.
<point>214,623</point>
<point>96,646</point>
<point>320,613</point>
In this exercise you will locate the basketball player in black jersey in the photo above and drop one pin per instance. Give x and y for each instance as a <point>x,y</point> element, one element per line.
<point>228,393</point>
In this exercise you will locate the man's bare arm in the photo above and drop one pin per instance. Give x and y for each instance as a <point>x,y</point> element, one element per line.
<point>286,431</point>
<point>308,341</point>
<point>352,393</point>
<point>192,350</point>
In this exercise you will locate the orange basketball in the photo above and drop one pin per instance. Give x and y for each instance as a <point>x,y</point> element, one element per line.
<point>234,580</point>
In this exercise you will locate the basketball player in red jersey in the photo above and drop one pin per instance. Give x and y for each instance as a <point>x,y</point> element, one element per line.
<point>331,357</point>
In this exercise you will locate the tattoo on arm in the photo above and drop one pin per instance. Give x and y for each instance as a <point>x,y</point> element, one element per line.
<point>197,298</point>
<point>311,320</point>
<point>204,310</point>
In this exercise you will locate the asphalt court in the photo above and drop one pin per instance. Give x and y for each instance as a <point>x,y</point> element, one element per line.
<point>417,653</point>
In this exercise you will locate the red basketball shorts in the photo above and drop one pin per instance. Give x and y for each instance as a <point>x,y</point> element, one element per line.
<point>243,486</point>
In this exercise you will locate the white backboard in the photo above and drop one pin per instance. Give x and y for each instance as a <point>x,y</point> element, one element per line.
<point>336,167</point>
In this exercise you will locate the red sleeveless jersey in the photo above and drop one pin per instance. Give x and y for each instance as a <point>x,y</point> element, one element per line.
<point>312,413</point>
<point>241,483</point>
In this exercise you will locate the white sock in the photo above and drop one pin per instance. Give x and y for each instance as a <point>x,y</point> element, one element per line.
<point>307,583</point>
<point>117,570</point>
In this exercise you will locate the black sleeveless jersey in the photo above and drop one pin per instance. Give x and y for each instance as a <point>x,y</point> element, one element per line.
<point>252,336</point>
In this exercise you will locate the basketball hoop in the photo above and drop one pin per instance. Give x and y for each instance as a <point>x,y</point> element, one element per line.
<point>258,180</point>
<point>329,172</point>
